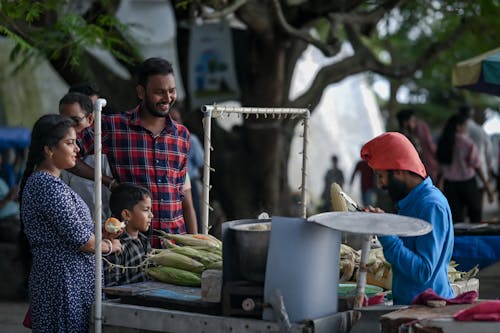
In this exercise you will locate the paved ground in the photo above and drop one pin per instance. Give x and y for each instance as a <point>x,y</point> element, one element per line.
<point>11,317</point>
<point>12,312</point>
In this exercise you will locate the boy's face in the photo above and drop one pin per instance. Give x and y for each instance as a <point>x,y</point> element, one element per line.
<point>141,215</point>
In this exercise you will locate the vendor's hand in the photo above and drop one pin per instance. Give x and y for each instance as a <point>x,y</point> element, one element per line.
<point>372,209</point>
<point>117,246</point>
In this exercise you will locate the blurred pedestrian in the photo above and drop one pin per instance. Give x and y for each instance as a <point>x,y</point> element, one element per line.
<point>460,163</point>
<point>484,148</point>
<point>367,182</point>
<point>59,228</point>
<point>86,88</point>
<point>195,163</point>
<point>333,175</point>
<point>419,134</point>
<point>9,210</point>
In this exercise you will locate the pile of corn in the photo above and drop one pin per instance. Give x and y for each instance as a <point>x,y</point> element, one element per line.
<point>184,259</point>
<point>379,270</point>
<point>455,275</point>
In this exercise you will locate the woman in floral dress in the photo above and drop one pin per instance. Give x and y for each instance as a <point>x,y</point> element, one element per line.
<point>59,228</point>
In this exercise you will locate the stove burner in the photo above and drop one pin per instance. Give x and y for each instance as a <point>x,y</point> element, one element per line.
<point>243,299</point>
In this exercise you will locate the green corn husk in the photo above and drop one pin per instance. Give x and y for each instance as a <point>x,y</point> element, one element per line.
<point>191,240</point>
<point>174,276</point>
<point>176,260</point>
<point>214,265</point>
<point>195,254</point>
<point>214,250</point>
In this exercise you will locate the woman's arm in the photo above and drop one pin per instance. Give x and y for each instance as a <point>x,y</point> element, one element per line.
<point>116,246</point>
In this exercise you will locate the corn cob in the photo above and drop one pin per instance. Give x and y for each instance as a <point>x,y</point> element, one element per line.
<point>215,239</point>
<point>176,260</point>
<point>214,265</point>
<point>202,256</point>
<point>213,250</point>
<point>174,276</point>
<point>191,240</point>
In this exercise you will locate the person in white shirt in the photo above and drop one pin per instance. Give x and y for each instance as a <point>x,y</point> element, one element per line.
<point>483,144</point>
<point>79,107</point>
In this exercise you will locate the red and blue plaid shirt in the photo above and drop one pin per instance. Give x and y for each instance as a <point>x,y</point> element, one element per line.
<point>158,162</point>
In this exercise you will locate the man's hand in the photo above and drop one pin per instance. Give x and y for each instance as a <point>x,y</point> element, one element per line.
<point>372,209</point>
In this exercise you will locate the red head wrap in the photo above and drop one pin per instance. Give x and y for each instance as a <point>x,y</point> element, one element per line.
<point>392,151</point>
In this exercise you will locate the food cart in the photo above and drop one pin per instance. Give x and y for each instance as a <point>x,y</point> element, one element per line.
<point>276,280</point>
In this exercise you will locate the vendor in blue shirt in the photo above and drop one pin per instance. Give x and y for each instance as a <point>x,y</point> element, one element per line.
<point>420,262</point>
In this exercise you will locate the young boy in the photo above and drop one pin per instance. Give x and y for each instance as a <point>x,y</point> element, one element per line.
<point>132,204</point>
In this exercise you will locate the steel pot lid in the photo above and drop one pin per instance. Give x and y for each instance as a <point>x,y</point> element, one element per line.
<point>383,224</point>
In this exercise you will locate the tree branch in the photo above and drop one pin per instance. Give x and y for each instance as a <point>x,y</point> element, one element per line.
<point>223,12</point>
<point>368,17</point>
<point>326,49</point>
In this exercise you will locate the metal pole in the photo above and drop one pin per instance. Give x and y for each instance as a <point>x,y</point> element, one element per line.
<point>99,104</point>
<point>363,268</point>
<point>207,126</point>
<point>303,193</point>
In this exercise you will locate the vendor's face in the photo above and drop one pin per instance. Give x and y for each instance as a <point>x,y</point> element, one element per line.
<point>390,181</point>
<point>159,95</point>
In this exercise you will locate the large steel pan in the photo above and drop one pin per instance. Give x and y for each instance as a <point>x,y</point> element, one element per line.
<point>382,224</point>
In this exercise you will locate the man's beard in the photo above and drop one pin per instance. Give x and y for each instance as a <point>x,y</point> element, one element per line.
<point>397,189</point>
<point>150,107</point>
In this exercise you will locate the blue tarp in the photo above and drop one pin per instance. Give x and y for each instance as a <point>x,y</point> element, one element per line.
<point>14,137</point>
<point>482,250</point>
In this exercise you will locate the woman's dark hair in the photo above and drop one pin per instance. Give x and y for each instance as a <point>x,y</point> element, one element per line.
<point>47,131</point>
<point>446,142</point>
<point>126,196</point>
<point>153,66</point>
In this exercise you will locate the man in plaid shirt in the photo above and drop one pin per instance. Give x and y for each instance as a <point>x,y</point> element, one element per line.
<point>145,146</point>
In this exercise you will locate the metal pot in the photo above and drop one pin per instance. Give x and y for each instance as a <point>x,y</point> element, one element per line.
<point>252,243</point>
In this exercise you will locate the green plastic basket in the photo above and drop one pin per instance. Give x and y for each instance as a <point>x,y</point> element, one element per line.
<point>349,289</point>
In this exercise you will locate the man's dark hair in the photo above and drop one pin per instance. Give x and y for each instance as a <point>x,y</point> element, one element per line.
<point>404,115</point>
<point>126,196</point>
<point>85,88</point>
<point>465,110</point>
<point>153,66</point>
<point>83,100</point>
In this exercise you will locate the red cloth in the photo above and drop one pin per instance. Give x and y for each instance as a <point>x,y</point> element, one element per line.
<point>486,311</point>
<point>378,298</point>
<point>430,295</point>
<point>392,151</point>
<point>27,318</point>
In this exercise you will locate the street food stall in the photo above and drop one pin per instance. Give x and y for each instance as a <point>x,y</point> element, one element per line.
<point>279,274</point>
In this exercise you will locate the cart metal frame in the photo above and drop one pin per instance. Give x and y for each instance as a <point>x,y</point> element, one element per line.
<point>214,111</point>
